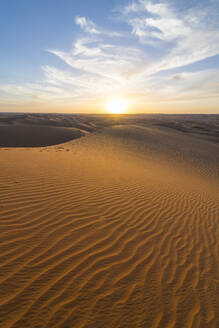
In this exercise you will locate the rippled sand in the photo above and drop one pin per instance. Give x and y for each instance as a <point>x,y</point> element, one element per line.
<point>118,229</point>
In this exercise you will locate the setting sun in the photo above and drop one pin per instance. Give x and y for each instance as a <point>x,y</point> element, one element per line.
<point>117,106</point>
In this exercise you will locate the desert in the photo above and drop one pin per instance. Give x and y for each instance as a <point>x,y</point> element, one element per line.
<point>109,221</point>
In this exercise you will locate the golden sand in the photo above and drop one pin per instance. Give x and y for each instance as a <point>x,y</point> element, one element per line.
<point>110,231</point>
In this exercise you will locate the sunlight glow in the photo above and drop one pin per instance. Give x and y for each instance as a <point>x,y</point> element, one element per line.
<point>117,106</point>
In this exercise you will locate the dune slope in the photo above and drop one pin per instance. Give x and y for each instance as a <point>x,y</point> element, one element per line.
<point>114,230</point>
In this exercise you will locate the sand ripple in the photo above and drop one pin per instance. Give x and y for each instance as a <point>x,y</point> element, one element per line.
<point>105,243</point>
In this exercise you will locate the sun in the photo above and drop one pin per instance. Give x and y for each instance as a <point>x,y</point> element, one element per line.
<point>117,106</point>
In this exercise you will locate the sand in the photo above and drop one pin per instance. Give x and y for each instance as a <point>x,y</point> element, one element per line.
<point>116,229</point>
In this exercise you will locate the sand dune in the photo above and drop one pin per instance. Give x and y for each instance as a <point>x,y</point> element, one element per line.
<point>118,229</point>
<point>36,136</point>
<point>36,130</point>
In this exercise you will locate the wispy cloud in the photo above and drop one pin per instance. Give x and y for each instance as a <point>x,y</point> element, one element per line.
<point>91,28</point>
<point>162,38</point>
<point>113,62</point>
<point>87,25</point>
<point>187,37</point>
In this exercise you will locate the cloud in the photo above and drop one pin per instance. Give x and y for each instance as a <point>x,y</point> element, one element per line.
<point>87,25</point>
<point>113,62</point>
<point>186,86</point>
<point>187,37</point>
<point>163,38</point>
<point>91,28</point>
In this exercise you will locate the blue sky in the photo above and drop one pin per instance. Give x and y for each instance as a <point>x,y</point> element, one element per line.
<point>74,56</point>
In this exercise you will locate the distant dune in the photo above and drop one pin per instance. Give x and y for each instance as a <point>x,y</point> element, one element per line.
<point>39,130</point>
<point>36,130</point>
<point>118,229</point>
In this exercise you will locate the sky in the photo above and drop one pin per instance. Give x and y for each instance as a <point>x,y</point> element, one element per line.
<point>74,56</point>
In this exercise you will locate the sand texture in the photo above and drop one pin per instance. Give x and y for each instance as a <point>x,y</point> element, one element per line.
<point>116,229</point>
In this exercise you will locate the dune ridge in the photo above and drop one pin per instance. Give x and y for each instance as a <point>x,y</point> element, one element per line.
<point>110,231</point>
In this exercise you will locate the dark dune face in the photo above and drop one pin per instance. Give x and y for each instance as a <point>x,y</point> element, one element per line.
<point>35,136</point>
<point>39,130</point>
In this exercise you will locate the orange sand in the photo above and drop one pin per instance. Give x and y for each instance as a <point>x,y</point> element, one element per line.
<point>112,230</point>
